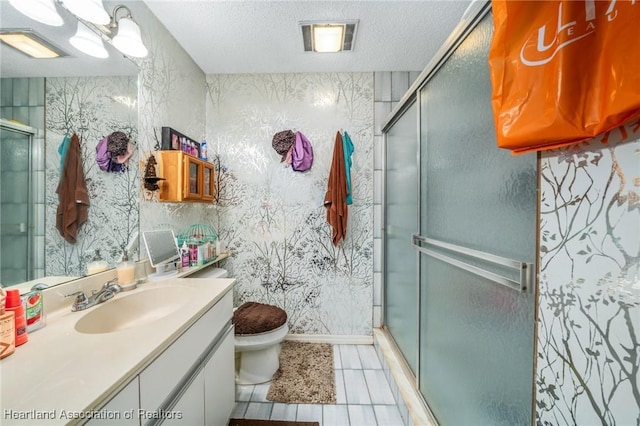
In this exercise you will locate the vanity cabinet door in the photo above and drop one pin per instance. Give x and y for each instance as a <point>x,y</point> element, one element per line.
<point>122,409</point>
<point>219,383</point>
<point>160,380</point>
<point>189,409</point>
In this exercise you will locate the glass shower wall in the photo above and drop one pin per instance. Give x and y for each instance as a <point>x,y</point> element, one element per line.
<point>22,109</point>
<point>401,220</point>
<point>477,336</point>
<point>16,231</point>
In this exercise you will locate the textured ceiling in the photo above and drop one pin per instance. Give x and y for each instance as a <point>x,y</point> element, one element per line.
<point>257,36</point>
<point>264,36</point>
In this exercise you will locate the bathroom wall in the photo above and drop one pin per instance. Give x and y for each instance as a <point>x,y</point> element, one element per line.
<point>273,218</point>
<point>91,107</point>
<point>171,92</point>
<point>588,353</point>
<point>22,99</point>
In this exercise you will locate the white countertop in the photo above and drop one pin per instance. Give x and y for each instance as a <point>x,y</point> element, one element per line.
<point>60,368</point>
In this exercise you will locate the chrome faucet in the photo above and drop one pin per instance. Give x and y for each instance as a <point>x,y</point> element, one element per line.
<point>108,290</point>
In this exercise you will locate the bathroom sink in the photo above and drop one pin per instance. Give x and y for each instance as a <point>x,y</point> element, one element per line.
<point>133,310</point>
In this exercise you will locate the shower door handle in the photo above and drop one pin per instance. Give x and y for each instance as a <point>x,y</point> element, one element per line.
<point>426,245</point>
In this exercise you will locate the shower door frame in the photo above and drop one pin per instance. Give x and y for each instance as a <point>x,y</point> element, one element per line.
<point>30,132</point>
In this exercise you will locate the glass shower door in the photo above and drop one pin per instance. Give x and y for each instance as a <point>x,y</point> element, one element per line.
<point>477,336</point>
<point>401,221</point>
<point>15,211</point>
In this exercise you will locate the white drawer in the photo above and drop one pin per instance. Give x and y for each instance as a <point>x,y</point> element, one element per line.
<point>158,380</point>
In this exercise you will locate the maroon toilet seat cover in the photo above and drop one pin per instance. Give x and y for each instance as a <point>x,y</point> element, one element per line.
<point>253,318</point>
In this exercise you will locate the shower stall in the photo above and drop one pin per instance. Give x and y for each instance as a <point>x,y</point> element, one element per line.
<point>460,241</point>
<point>21,174</point>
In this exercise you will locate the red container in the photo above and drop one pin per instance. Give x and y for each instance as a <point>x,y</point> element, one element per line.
<point>13,298</point>
<point>14,304</point>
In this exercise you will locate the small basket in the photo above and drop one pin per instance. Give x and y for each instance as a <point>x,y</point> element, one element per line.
<point>197,234</point>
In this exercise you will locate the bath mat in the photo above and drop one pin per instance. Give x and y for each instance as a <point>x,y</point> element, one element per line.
<point>305,375</point>
<point>249,422</point>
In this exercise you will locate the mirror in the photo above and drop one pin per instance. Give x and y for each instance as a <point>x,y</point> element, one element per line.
<point>42,102</point>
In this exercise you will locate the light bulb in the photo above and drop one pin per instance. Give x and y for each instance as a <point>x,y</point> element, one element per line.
<point>128,39</point>
<point>86,41</point>
<point>43,11</point>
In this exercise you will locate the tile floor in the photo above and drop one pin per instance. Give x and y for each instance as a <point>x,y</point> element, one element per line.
<point>363,395</point>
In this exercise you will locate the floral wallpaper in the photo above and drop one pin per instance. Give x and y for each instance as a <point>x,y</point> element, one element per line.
<point>272,218</point>
<point>588,351</point>
<point>171,92</point>
<point>91,107</point>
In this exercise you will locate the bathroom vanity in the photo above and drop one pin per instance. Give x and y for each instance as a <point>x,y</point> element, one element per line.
<point>162,353</point>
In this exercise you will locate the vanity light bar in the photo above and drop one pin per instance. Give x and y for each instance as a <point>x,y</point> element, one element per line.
<point>30,43</point>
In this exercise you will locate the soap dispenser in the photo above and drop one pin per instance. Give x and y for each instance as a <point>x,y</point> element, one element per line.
<point>126,271</point>
<point>97,264</point>
<point>184,255</point>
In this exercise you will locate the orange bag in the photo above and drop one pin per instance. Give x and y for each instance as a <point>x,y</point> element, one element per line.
<point>563,71</point>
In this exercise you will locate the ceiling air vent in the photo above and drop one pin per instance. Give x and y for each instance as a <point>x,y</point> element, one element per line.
<point>339,34</point>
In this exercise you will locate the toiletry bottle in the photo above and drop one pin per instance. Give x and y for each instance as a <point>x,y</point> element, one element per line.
<point>207,251</point>
<point>200,255</point>
<point>7,328</point>
<point>33,303</point>
<point>126,270</point>
<point>203,150</point>
<point>184,255</point>
<point>14,304</point>
<point>193,254</point>
<point>97,264</point>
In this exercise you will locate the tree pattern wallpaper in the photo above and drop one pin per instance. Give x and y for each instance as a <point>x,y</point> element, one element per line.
<point>171,93</point>
<point>91,107</point>
<point>588,349</point>
<point>272,218</point>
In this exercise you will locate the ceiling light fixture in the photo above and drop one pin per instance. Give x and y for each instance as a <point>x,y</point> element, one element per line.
<point>123,33</point>
<point>328,37</point>
<point>30,43</point>
<point>94,25</point>
<point>89,10</point>
<point>87,41</point>
<point>43,11</point>
<point>128,39</point>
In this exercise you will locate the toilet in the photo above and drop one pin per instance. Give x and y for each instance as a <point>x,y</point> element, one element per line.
<point>259,332</point>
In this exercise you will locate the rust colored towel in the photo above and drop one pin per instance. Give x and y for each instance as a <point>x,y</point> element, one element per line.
<point>335,200</point>
<point>73,209</point>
